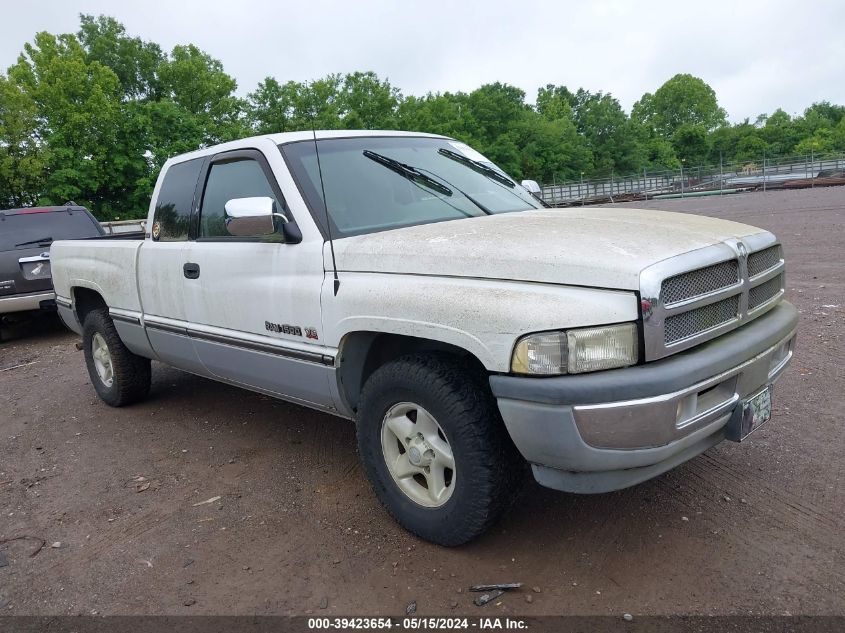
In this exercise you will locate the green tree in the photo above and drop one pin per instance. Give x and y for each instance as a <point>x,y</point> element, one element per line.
<point>555,102</point>
<point>821,142</point>
<point>690,143</point>
<point>839,136</point>
<point>682,100</point>
<point>368,102</point>
<point>134,61</point>
<point>197,83</point>
<point>195,80</point>
<point>22,157</point>
<point>751,149</point>
<point>824,111</point>
<point>319,105</point>
<point>550,150</point>
<point>610,136</point>
<point>493,114</point>
<point>722,144</point>
<point>446,114</point>
<point>660,154</point>
<point>79,115</point>
<point>272,106</point>
<point>780,133</point>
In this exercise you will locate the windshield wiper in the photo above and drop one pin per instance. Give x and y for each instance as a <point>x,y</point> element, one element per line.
<point>416,175</point>
<point>409,172</point>
<point>460,191</point>
<point>47,239</point>
<point>477,166</point>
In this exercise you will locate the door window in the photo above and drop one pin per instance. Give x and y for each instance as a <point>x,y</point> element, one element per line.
<point>174,202</point>
<point>242,178</point>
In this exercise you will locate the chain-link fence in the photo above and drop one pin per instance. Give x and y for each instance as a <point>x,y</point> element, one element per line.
<point>766,173</point>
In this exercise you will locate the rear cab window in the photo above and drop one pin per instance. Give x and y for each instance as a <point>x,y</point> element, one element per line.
<point>172,217</point>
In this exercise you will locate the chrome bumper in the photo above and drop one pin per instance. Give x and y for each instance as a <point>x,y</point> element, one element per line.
<point>579,438</point>
<point>24,302</point>
<point>660,420</point>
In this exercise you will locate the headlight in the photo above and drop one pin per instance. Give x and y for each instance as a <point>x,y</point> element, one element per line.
<point>576,351</point>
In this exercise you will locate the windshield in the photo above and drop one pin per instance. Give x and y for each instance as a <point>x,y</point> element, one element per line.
<point>34,230</point>
<point>381,183</point>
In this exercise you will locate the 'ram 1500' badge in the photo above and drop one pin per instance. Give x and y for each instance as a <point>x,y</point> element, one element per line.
<point>293,330</point>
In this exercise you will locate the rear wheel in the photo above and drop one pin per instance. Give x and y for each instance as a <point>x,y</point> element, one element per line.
<point>435,448</point>
<point>119,376</point>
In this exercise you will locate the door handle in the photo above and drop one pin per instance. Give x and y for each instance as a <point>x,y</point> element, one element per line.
<point>191,271</point>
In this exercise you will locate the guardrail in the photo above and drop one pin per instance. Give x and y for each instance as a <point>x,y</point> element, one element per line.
<point>792,172</point>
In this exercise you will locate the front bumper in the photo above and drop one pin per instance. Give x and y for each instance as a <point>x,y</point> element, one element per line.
<point>609,430</point>
<point>27,302</point>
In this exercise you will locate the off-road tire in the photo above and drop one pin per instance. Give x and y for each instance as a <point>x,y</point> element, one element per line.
<point>131,381</point>
<point>489,469</point>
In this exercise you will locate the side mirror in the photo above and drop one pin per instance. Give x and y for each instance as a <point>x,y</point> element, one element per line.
<point>246,217</point>
<point>533,187</point>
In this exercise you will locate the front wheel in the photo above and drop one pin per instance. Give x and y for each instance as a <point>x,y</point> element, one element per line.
<point>119,376</point>
<point>435,449</point>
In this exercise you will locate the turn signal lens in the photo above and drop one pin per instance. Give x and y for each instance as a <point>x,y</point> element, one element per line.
<point>542,354</point>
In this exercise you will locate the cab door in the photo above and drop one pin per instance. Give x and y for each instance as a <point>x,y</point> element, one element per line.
<point>161,261</point>
<point>253,301</point>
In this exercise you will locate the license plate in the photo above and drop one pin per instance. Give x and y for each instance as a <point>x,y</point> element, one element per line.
<point>756,411</point>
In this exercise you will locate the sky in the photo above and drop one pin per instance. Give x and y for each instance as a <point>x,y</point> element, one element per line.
<point>758,56</point>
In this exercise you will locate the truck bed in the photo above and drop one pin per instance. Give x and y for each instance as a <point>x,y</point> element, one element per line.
<point>106,264</point>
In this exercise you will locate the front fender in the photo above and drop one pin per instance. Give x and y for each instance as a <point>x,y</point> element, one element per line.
<point>483,317</point>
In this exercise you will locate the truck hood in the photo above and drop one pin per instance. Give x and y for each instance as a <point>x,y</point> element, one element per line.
<point>598,247</point>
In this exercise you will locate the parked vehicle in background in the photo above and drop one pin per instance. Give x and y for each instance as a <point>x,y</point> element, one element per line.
<point>26,283</point>
<point>403,281</point>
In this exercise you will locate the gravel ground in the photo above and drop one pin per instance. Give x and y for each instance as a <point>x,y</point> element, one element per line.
<point>293,528</point>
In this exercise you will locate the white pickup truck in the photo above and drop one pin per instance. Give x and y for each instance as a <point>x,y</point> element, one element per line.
<point>405,282</point>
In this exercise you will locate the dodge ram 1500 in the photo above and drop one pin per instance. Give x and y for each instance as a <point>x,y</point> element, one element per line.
<point>405,282</point>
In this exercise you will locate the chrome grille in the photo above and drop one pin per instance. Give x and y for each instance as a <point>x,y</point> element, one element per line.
<point>699,282</point>
<point>696,296</point>
<point>686,324</point>
<point>758,295</point>
<point>764,260</point>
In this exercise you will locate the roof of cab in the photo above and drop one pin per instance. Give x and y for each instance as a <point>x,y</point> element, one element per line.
<point>305,135</point>
<point>292,137</point>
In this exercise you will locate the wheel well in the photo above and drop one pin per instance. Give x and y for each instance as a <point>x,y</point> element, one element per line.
<point>361,353</point>
<point>85,300</point>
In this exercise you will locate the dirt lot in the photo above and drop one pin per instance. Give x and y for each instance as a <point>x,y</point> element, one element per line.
<point>752,528</point>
